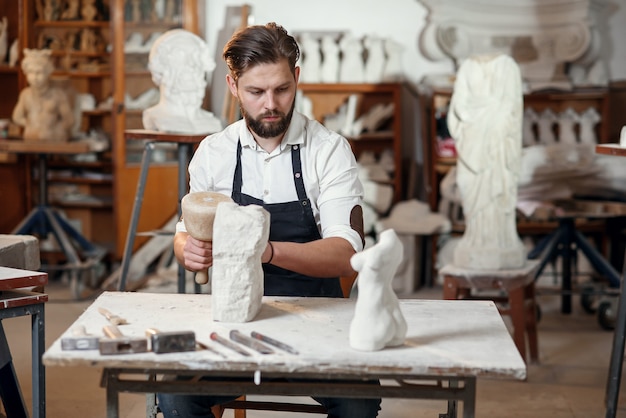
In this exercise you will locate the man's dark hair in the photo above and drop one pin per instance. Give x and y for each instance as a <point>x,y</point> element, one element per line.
<point>260,44</point>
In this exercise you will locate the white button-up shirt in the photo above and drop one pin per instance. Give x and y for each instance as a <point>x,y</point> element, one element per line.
<point>328,168</point>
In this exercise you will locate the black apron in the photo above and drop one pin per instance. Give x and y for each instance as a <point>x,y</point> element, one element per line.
<point>292,222</point>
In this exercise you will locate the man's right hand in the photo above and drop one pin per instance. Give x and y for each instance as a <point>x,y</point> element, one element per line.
<point>193,254</point>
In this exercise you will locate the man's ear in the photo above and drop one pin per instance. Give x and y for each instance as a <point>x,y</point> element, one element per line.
<point>297,73</point>
<point>232,85</point>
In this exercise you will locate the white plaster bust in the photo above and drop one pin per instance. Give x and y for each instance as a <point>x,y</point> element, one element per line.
<point>485,120</point>
<point>179,62</point>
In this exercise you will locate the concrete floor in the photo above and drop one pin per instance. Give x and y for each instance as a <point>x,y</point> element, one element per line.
<point>569,382</point>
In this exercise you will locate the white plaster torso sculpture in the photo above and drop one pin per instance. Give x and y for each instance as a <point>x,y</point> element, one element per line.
<point>4,39</point>
<point>44,111</point>
<point>588,121</point>
<point>393,65</point>
<point>330,62</point>
<point>378,321</point>
<point>568,119</point>
<point>375,64</point>
<point>179,62</point>
<point>351,67</point>
<point>545,125</point>
<point>13,53</point>
<point>312,59</point>
<point>240,234</point>
<point>485,120</point>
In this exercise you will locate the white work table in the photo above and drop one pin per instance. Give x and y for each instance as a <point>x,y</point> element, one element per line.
<point>448,344</point>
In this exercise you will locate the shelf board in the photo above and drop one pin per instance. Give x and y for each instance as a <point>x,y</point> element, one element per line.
<point>5,69</point>
<point>71,24</point>
<point>83,74</point>
<point>372,136</point>
<point>347,87</point>
<point>83,204</point>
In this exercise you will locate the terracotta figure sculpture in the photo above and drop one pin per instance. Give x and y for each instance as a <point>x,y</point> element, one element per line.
<point>44,111</point>
<point>179,62</point>
<point>485,120</point>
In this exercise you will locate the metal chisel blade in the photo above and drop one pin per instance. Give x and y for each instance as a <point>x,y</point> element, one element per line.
<point>256,345</point>
<point>228,344</point>
<point>274,342</point>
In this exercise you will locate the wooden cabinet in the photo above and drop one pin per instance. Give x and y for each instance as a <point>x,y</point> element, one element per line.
<point>326,99</point>
<point>12,174</point>
<point>438,146</point>
<point>132,79</point>
<point>94,58</point>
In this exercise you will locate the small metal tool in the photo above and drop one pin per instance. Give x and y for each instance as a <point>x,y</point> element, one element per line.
<point>229,344</point>
<point>80,340</point>
<point>256,345</point>
<point>171,342</point>
<point>114,319</point>
<point>203,346</point>
<point>274,342</point>
<point>119,344</point>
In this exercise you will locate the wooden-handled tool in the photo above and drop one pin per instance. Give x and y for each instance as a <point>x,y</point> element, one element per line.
<point>198,209</point>
<point>117,343</point>
<point>114,319</point>
<point>171,342</point>
<point>80,340</point>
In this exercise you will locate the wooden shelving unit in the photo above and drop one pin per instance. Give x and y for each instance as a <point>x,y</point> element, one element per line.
<point>326,100</point>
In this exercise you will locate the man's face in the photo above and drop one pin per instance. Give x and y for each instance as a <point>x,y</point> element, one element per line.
<point>266,94</point>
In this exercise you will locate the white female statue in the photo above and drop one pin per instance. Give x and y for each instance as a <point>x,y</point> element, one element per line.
<point>45,112</point>
<point>179,62</point>
<point>485,120</point>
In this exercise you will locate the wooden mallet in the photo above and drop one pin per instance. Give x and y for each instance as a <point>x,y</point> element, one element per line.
<point>198,210</point>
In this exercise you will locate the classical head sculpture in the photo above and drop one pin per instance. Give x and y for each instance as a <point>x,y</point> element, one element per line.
<point>179,62</point>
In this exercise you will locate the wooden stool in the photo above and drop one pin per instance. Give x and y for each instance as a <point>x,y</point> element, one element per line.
<point>519,287</point>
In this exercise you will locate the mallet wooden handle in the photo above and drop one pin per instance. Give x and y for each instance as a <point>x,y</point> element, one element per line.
<point>202,277</point>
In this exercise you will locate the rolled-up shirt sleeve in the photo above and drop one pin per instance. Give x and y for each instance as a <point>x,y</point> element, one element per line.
<point>340,193</point>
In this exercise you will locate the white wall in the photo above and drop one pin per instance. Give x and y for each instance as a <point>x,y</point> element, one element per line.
<point>401,20</point>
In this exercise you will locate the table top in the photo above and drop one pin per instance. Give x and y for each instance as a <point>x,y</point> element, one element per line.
<point>611,149</point>
<point>164,136</point>
<point>11,278</point>
<point>444,338</point>
<point>45,147</point>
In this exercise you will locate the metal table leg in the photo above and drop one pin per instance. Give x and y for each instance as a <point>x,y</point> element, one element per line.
<point>617,354</point>
<point>132,228</point>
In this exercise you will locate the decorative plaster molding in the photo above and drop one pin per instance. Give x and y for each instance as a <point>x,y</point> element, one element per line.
<point>543,36</point>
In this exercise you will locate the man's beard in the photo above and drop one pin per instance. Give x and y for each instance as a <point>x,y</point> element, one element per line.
<point>268,129</point>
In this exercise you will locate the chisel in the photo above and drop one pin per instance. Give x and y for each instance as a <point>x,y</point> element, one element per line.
<point>256,345</point>
<point>274,342</point>
<point>228,344</point>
